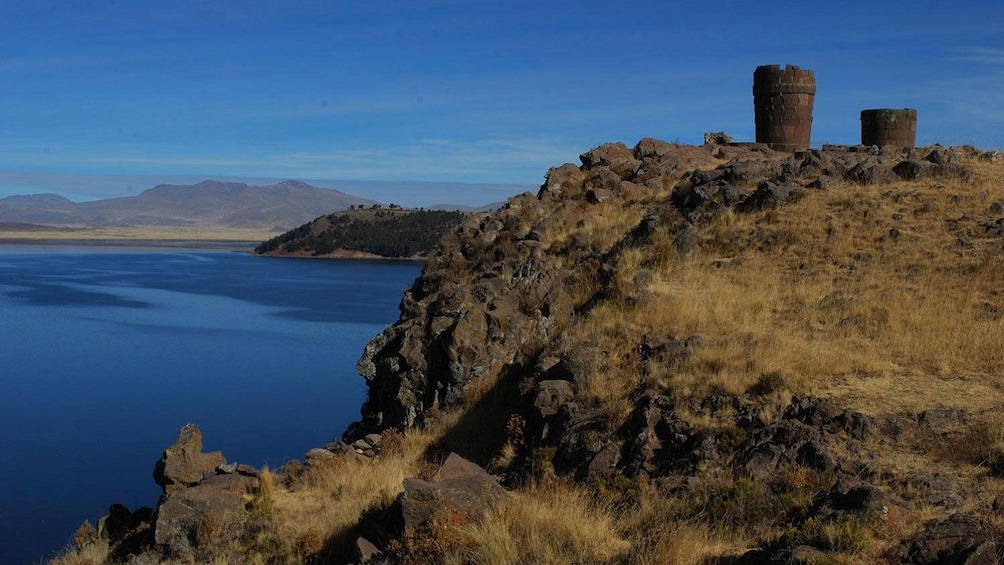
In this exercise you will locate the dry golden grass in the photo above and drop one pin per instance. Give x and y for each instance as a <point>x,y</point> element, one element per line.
<point>91,554</point>
<point>886,299</point>
<point>546,524</point>
<point>825,293</point>
<point>326,502</point>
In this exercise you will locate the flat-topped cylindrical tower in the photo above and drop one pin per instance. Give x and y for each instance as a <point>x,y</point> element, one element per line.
<point>782,101</point>
<point>886,126</point>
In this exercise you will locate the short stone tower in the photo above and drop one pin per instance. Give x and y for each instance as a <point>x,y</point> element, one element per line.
<point>886,126</point>
<point>782,100</point>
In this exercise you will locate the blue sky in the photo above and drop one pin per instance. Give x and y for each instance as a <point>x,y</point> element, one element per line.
<point>116,93</point>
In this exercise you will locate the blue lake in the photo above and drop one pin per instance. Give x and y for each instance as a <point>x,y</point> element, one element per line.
<point>106,353</point>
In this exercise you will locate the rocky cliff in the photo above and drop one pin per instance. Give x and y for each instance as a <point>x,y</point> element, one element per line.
<point>684,354</point>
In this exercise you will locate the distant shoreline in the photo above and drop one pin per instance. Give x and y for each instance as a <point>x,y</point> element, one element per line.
<point>344,255</point>
<point>148,237</point>
<point>208,244</point>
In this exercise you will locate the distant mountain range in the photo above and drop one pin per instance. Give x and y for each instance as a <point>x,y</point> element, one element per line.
<point>208,204</point>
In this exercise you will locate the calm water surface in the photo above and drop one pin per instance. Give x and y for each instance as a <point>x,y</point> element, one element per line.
<point>105,354</point>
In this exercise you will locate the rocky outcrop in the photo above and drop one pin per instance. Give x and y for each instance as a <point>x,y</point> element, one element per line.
<point>216,506</point>
<point>204,501</point>
<point>482,328</point>
<point>962,539</point>
<point>183,464</point>
<point>203,495</point>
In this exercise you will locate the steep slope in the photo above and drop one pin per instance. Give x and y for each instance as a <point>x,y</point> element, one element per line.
<point>678,354</point>
<point>795,354</point>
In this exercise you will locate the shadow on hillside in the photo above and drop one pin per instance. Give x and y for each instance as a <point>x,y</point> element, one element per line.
<point>482,431</point>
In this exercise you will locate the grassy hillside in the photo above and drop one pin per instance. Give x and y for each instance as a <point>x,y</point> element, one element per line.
<point>381,232</point>
<point>801,369</point>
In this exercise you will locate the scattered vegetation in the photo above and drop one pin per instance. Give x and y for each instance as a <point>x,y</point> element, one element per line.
<point>885,298</point>
<point>387,233</point>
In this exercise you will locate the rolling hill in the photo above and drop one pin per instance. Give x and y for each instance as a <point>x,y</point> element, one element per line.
<point>207,204</point>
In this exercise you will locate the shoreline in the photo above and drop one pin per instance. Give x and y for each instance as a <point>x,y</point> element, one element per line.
<point>209,244</point>
<point>344,255</point>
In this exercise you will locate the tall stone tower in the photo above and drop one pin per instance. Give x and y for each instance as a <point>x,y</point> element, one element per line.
<point>886,126</point>
<point>782,101</point>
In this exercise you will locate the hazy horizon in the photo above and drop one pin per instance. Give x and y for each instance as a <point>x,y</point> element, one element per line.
<point>408,193</point>
<point>453,91</point>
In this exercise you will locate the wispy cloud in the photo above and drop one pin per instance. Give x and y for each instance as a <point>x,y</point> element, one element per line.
<point>56,62</point>
<point>985,55</point>
<point>486,160</point>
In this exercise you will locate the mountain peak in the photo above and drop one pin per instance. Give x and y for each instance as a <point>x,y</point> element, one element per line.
<point>46,199</point>
<point>290,183</point>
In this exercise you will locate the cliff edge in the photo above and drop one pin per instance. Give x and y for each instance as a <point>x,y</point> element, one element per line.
<point>681,354</point>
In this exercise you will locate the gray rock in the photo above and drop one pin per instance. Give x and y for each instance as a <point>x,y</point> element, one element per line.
<point>936,490</point>
<point>318,456</point>
<point>550,395</point>
<point>808,555</point>
<point>940,156</point>
<point>814,456</point>
<point>910,169</point>
<point>958,539</point>
<point>605,462</point>
<point>762,461</point>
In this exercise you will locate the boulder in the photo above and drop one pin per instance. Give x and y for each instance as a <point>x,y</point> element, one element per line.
<point>562,182</point>
<point>319,456</point>
<point>959,539</point>
<point>717,138</point>
<point>550,395</point>
<point>217,501</point>
<point>661,441</point>
<point>808,555</point>
<point>183,464</point>
<point>762,461</point>
<point>911,169</point>
<point>940,156</point>
<point>770,195</point>
<point>870,173</point>
<point>120,522</point>
<point>366,549</point>
<point>459,491</point>
<point>598,195</point>
<point>615,156</point>
<point>814,456</point>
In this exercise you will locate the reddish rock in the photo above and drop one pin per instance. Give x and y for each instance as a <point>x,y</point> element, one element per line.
<point>615,156</point>
<point>218,500</point>
<point>183,464</point>
<point>562,182</point>
<point>367,550</point>
<point>459,490</point>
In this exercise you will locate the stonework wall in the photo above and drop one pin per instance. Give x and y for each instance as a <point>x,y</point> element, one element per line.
<point>782,101</point>
<point>887,126</point>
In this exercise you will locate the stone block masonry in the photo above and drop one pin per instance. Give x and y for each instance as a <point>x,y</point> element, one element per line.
<point>782,100</point>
